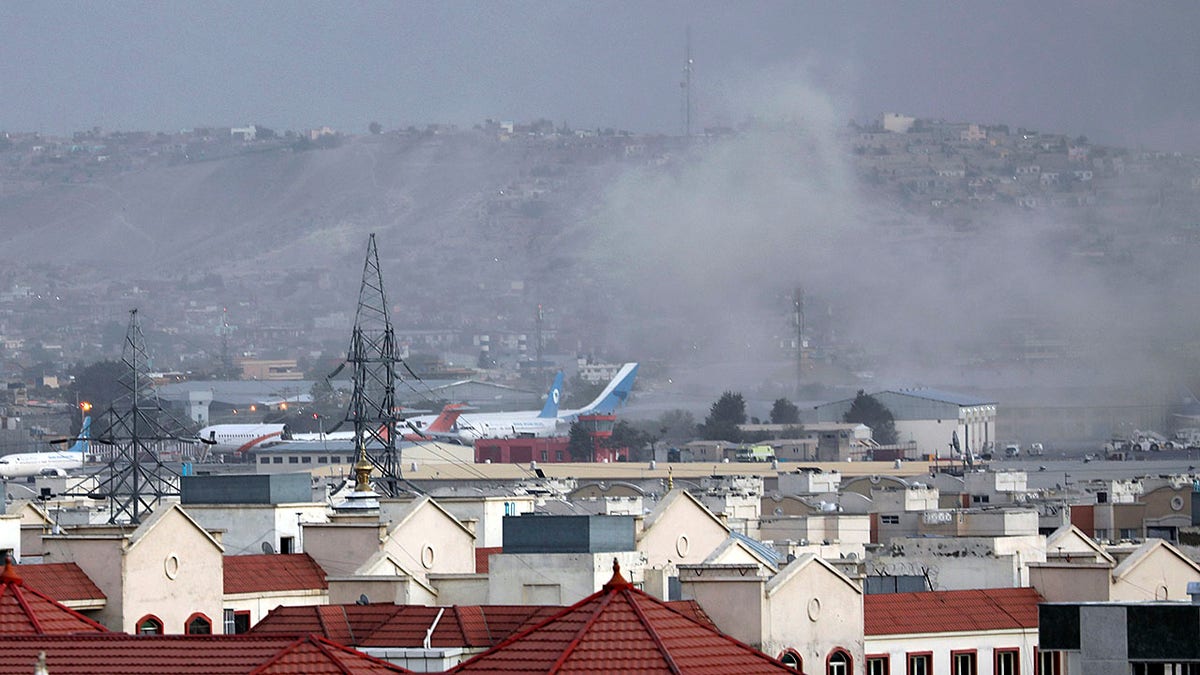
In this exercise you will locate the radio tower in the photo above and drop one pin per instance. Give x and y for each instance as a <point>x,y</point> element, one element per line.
<point>135,479</point>
<point>373,357</point>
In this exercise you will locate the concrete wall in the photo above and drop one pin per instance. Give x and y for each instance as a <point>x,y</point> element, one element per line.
<point>897,647</point>
<point>1071,582</point>
<point>102,559</point>
<point>341,547</point>
<point>683,533</point>
<point>248,526</point>
<point>429,541</point>
<point>173,571</point>
<point>460,589</point>
<point>556,578</point>
<point>488,513</point>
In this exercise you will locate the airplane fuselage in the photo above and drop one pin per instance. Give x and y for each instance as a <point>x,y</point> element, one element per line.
<point>22,465</point>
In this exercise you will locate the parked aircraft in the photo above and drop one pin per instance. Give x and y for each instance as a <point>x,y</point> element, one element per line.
<point>53,463</point>
<point>240,438</point>
<point>550,421</point>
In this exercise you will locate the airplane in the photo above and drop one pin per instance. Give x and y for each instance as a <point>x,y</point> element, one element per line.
<point>550,421</point>
<point>54,463</point>
<point>441,425</point>
<point>240,438</point>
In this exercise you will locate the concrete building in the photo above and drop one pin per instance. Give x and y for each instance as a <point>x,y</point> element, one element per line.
<point>164,576</point>
<point>808,615</point>
<point>927,417</point>
<point>1119,638</point>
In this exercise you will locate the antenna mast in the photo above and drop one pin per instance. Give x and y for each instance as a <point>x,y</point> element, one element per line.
<point>373,357</point>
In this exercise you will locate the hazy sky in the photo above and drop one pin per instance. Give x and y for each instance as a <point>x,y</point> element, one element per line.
<point>1126,73</point>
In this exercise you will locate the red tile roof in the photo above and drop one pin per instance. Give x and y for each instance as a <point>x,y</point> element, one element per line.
<point>315,656</point>
<point>950,611</point>
<point>121,654</point>
<point>481,557</point>
<point>621,629</point>
<point>269,573</point>
<point>25,611</point>
<point>386,625</point>
<point>64,582</point>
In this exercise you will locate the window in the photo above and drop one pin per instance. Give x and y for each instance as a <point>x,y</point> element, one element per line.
<point>236,623</point>
<point>545,455</point>
<point>277,460</point>
<point>839,663</point>
<point>962,663</point>
<point>322,460</point>
<point>293,460</point>
<point>920,664</point>
<point>198,624</point>
<point>306,460</point>
<point>264,460</point>
<point>981,499</point>
<point>1049,663</point>
<point>879,665</point>
<point>1130,533</point>
<point>792,659</point>
<point>890,520</point>
<point>1008,662</point>
<point>150,625</point>
<point>287,545</point>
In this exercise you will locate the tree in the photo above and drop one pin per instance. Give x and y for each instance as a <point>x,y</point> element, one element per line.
<point>676,426</point>
<point>626,435</point>
<point>375,128</point>
<point>784,412</point>
<point>580,445</point>
<point>724,417</point>
<point>867,409</point>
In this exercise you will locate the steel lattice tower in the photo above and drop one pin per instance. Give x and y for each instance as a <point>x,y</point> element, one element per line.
<point>136,427</point>
<point>373,357</point>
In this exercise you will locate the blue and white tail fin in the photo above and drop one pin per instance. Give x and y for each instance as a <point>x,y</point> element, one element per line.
<point>81,445</point>
<point>616,393</point>
<point>553,397</point>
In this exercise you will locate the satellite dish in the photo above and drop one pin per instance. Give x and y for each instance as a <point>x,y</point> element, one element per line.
<point>363,600</point>
<point>267,547</point>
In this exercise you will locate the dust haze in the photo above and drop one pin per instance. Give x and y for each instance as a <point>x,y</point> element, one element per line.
<point>708,249</point>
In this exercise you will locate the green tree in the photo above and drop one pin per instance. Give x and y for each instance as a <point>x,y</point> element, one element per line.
<point>724,417</point>
<point>867,409</point>
<point>375,128</point>
<point>626,435</point>
<point>579,444</point>
<point>784,412</point>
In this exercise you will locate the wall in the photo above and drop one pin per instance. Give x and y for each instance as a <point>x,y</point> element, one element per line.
<point>984,644</point>
<point>340,548</point>
<point>429,541</point>
<point>248,526</point>
<point>556,578</point>
<point>102,559</point>
<point>173,571</point>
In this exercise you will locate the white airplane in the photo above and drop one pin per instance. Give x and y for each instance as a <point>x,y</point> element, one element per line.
<point>53,463</point>
<point>550,421</point>
<point>240,438</point>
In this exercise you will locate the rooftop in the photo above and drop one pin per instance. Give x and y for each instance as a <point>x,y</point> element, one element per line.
<point>272,573</point>
<point>621,629</point>
<point>950,611</point>
<point>25,611</point>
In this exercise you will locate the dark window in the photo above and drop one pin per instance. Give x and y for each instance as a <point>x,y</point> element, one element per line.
<point>879,665</point>
<point>792,659</point>
<point>306,460</point>
<point>277,460</point>
<point>150,625</point>
<point>839,663</point>
<point>264,460</point>
<point>962,663</point>
<point>198,625</point>
<point>293,460</point>
<point>919,664</point>
<point>287,545</point>
<point>1008,662</point>
<point>322,460</point>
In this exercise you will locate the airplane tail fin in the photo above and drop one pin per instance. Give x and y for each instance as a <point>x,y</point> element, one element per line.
<point>553,397</point>
<point>445,421</point>
<point>616,393</point>
<point>81,445</point>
